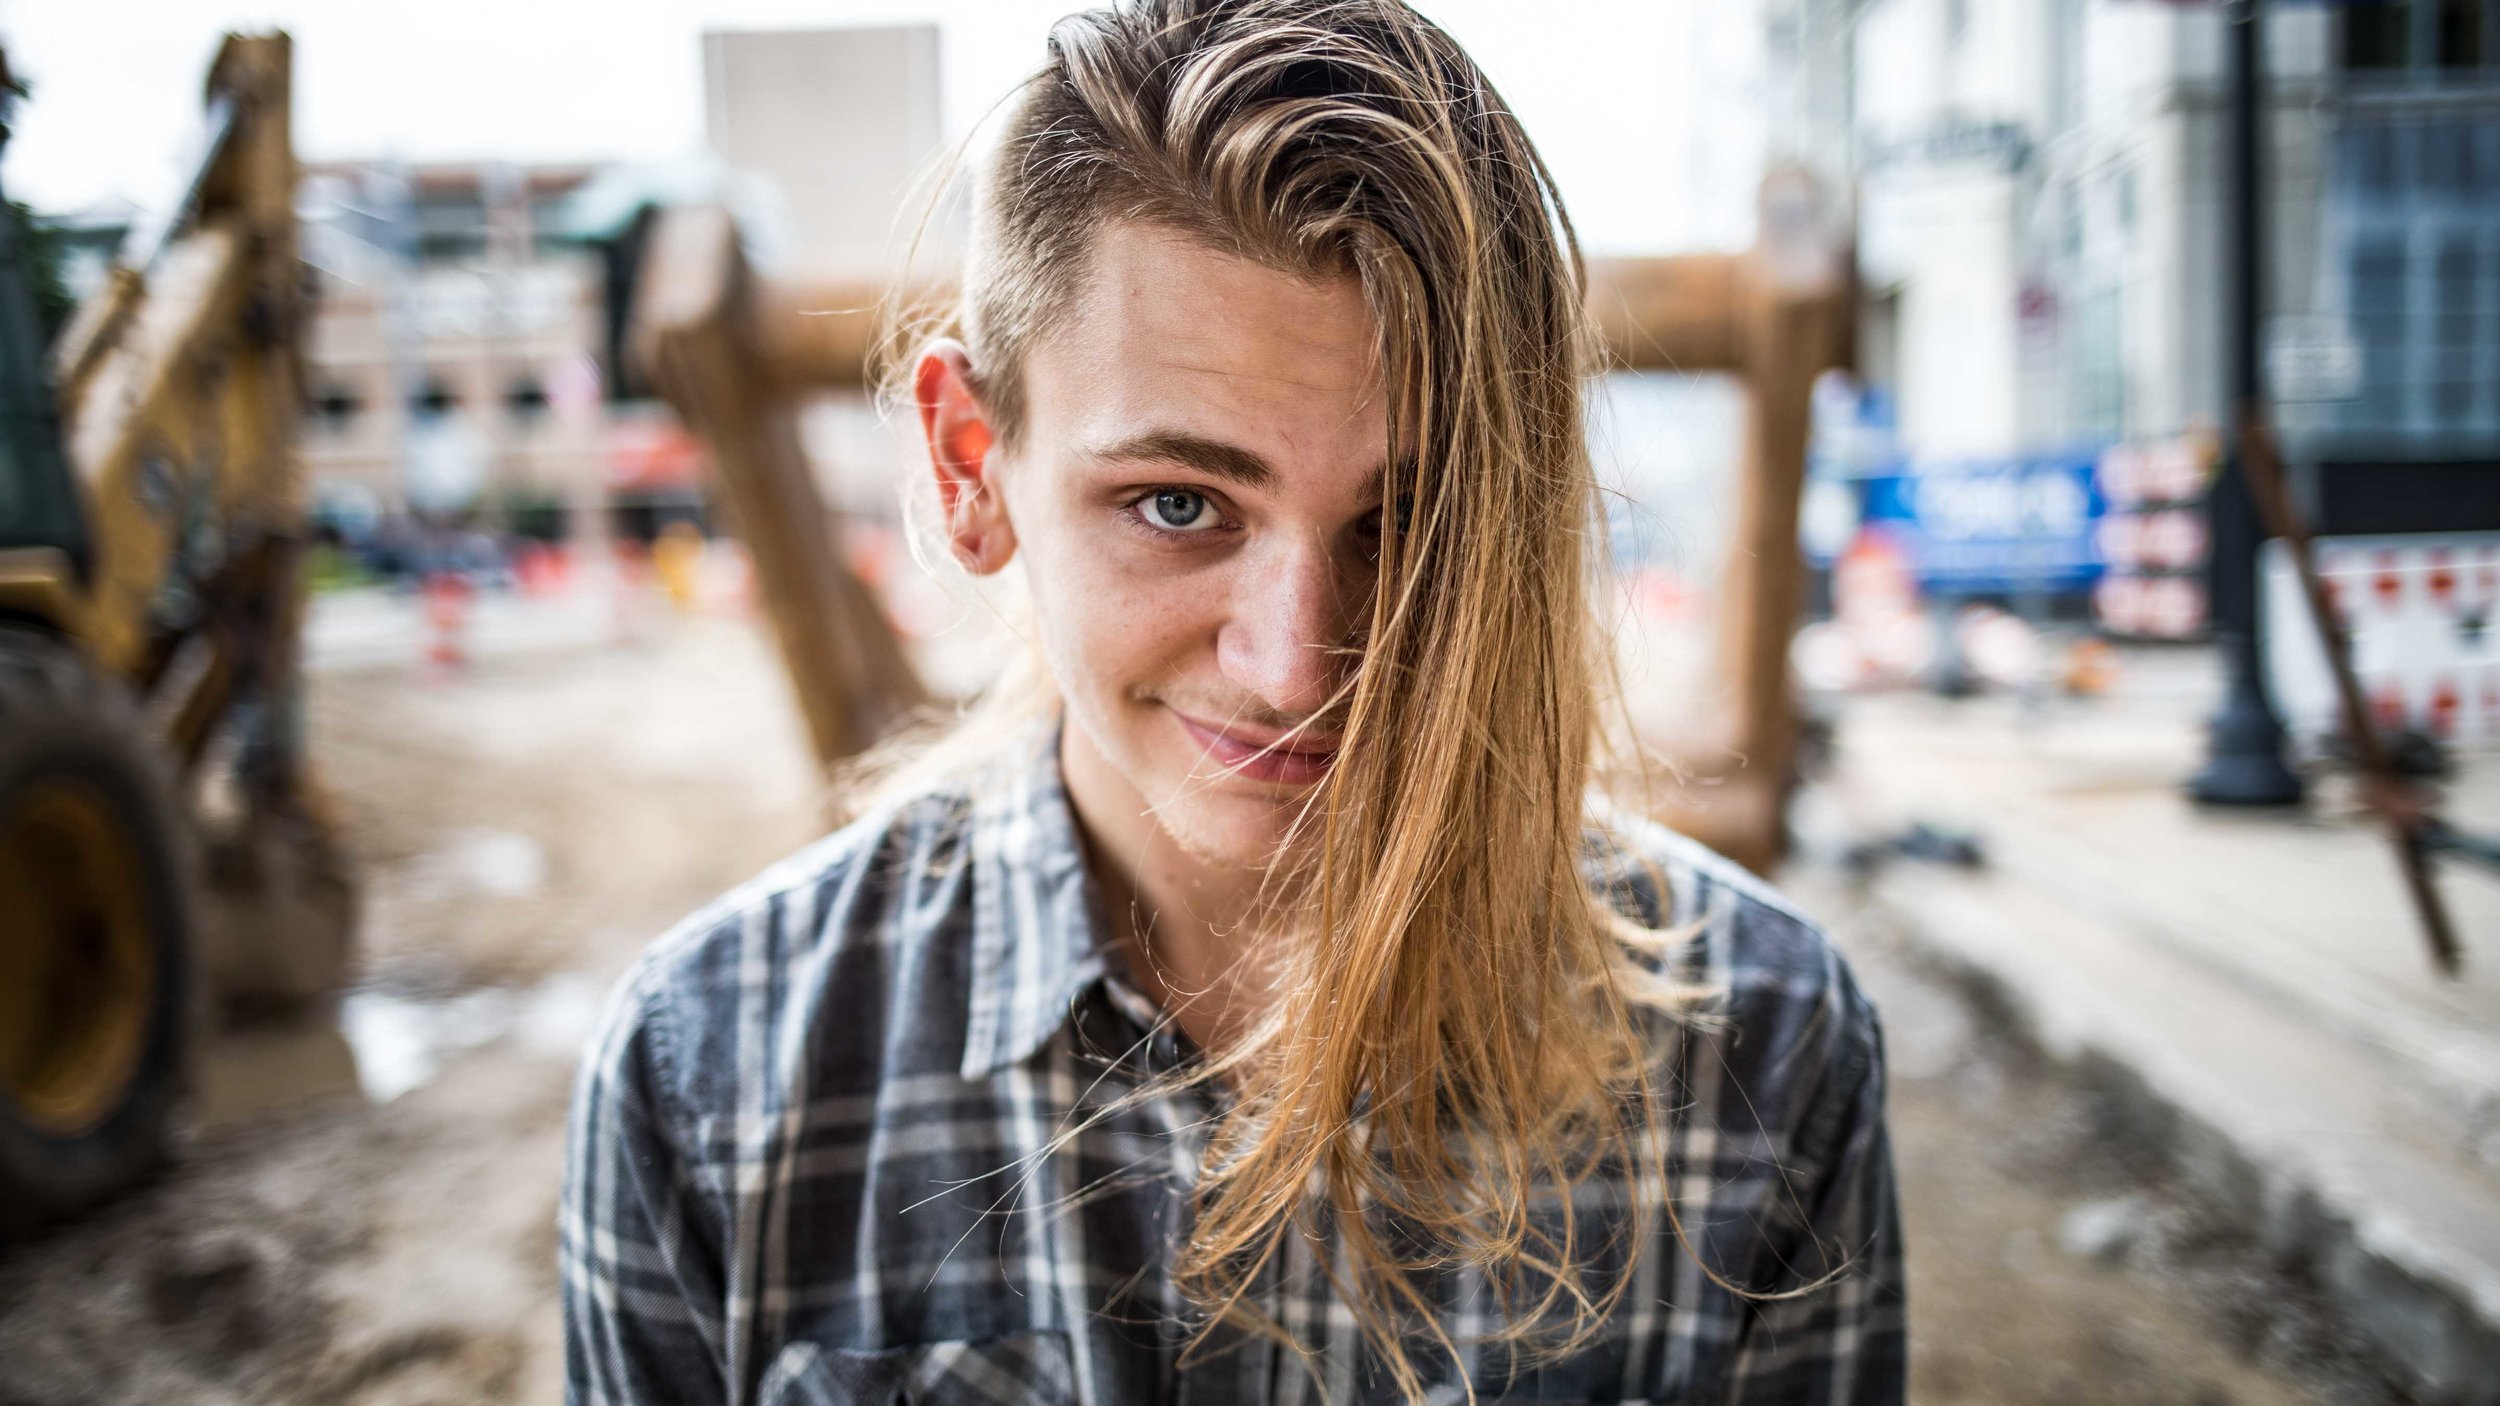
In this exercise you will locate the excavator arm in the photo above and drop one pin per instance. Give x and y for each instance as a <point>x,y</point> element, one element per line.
<point>150,617</point>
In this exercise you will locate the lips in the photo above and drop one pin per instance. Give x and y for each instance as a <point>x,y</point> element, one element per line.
<point>1258,755</point>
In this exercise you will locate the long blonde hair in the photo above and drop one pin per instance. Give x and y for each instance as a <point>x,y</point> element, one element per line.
<point>1460,1031</point>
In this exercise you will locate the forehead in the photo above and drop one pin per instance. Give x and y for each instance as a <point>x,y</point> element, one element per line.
<point>1169,335</point>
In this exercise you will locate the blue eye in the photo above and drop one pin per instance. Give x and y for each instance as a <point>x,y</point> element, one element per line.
<point>1177,510</point>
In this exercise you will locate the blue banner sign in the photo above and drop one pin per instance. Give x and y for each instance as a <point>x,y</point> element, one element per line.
<point>1988,526</point>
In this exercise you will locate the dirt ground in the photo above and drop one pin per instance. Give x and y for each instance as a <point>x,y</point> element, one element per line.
<point>383,1231</point>
<point>522,828</point>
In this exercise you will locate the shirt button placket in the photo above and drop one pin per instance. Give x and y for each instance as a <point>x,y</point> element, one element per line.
<point>1237,1367</point>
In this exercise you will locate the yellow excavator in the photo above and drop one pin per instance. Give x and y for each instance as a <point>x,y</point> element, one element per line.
<point>162,860</point>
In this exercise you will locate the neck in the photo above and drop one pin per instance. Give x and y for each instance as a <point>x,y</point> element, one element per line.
<point>1184,925</point>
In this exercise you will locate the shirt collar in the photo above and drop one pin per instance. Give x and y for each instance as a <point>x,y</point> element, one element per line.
<point>1036,944</point>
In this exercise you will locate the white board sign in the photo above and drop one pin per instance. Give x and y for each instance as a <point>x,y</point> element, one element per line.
<point>2420,609</point>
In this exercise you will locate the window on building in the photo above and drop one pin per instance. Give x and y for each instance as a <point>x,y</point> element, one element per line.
<point>433,399</point>
<point>2066,66</point>
<point>451,227</point>
<point>2461,37</point>
<point>2375,285</point>
<point>546,234</point>
<point>2459,387</point>
<point>2397,35</point>
<point>2096,368</point>
<point>2379,36</point>
<point>2413,220</point>
<point>336,408</point>
<point>525,400</point>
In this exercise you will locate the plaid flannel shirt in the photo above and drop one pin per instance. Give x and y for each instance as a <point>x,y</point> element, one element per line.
<point>815,1153</point>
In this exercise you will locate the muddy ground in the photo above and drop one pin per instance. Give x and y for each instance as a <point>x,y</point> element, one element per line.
<point>382,1231</point>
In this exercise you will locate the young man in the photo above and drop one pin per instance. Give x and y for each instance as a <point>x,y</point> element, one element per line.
<point>1247,1002</point>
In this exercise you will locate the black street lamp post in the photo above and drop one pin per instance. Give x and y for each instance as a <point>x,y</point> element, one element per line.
<point>2244,743</point>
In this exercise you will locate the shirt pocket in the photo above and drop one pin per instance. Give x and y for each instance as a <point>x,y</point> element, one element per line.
<point>1032,1368</point>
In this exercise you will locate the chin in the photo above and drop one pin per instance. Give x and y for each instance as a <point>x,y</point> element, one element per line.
<point>1211,815</point>
<point>1219,823</point>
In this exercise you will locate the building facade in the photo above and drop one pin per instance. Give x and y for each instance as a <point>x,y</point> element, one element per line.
<point>2406,269</point>
<point>452,362</point>
<point>2040,198</point>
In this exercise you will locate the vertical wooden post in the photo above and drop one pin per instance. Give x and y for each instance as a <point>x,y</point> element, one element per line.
<point>1763,585</point>
<point>1778,316</point>
<point>696,331</point>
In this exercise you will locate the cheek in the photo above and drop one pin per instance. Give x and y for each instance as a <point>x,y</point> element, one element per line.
<point>1115,619</point>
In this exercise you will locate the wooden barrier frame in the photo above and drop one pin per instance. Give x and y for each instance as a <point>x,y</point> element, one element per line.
<point>736,355</point>
<point>697,330</point>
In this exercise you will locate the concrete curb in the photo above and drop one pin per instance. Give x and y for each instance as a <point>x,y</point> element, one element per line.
<point>2370,1243</point>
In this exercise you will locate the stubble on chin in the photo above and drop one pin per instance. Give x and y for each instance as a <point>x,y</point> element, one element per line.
<point>1220,826</point>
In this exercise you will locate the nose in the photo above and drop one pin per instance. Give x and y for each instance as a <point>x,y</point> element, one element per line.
<point>1284,638</point>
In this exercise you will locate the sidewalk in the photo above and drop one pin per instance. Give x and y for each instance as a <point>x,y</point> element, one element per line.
<point>2257,982</point>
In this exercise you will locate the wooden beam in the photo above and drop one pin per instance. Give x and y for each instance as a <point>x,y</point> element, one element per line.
<point>1791,305</point>
<point>697,330</point>
<point>1669,314</point>
<point>1672,314</point>
<point>822,335</point>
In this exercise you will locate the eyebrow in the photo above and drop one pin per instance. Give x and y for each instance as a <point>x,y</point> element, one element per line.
<point>1212,457</point>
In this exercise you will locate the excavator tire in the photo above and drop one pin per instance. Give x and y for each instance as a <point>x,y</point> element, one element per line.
<point>95,906</point>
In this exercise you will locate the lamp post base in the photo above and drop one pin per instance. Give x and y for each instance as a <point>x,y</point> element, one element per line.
<point>2244,753</point>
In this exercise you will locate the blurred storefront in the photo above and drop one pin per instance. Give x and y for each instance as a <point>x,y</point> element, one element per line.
<point>2040,211</point>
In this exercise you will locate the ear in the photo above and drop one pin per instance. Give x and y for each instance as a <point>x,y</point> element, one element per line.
<point>960,444</point>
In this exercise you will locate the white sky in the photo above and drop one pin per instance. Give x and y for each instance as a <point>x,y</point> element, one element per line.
<point>1610,89</point>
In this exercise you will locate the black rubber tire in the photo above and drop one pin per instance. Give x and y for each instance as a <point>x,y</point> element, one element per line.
<point>59,719</point>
